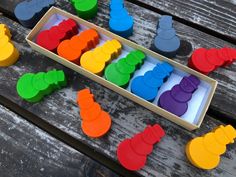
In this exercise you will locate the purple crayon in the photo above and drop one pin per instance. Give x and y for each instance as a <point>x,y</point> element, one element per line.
<point>180,95</point>
<point>176,99</point>
<point>189,84</point>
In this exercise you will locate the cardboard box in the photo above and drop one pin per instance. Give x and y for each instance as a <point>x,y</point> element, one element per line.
<point>199,103</point>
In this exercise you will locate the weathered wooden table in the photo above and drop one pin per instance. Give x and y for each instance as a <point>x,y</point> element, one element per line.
<point>45,139</point>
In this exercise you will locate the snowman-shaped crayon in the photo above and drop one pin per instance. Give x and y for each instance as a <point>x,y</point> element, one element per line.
<point>95,61</point>
<point>176,99</point>
<point>72,49</point>
<point>132,153</point>
<point>147,86</point>
<point>29,12</point>
<point>120,21</point>
<point>33,87</point>
<point>95,121</point>
<point>8,52</point>
<point>51,38</point>
<point>205,152</point>
<point>85,9</point>
<point>207,60</point>
<point>166,41</point>
<point>120,73</point>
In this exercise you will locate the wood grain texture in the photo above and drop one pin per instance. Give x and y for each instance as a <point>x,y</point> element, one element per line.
<point>216,15</point>
<point>145,29</point>
<point>61,110</point>
<point>191,39</point>
<point>27,151</point>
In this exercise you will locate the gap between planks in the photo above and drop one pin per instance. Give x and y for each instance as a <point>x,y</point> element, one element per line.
<point>185,22</point>
<point>65,138</point>
<point>214,113</point>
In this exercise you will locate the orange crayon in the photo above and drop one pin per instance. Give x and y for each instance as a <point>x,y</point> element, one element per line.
<point>73,48</point>
<point>95,121</point>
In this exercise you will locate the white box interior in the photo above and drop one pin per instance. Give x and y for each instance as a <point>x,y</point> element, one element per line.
<point>199,98</point>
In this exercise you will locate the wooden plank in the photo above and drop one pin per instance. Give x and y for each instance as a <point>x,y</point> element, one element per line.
<point>218,15</point>
<point>28,151</point>
<point>60,110</point>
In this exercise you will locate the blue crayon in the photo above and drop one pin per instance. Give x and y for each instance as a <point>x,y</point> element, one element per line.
<point>166,41</point>
<point>147,86</point>
<point>29,12</point>
<point>120,23</point>
<point>165,22</point>
<point>116,4</point>
<point>122,27</point>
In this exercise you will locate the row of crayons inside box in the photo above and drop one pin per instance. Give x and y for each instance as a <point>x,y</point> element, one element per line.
<point>63,40</point>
